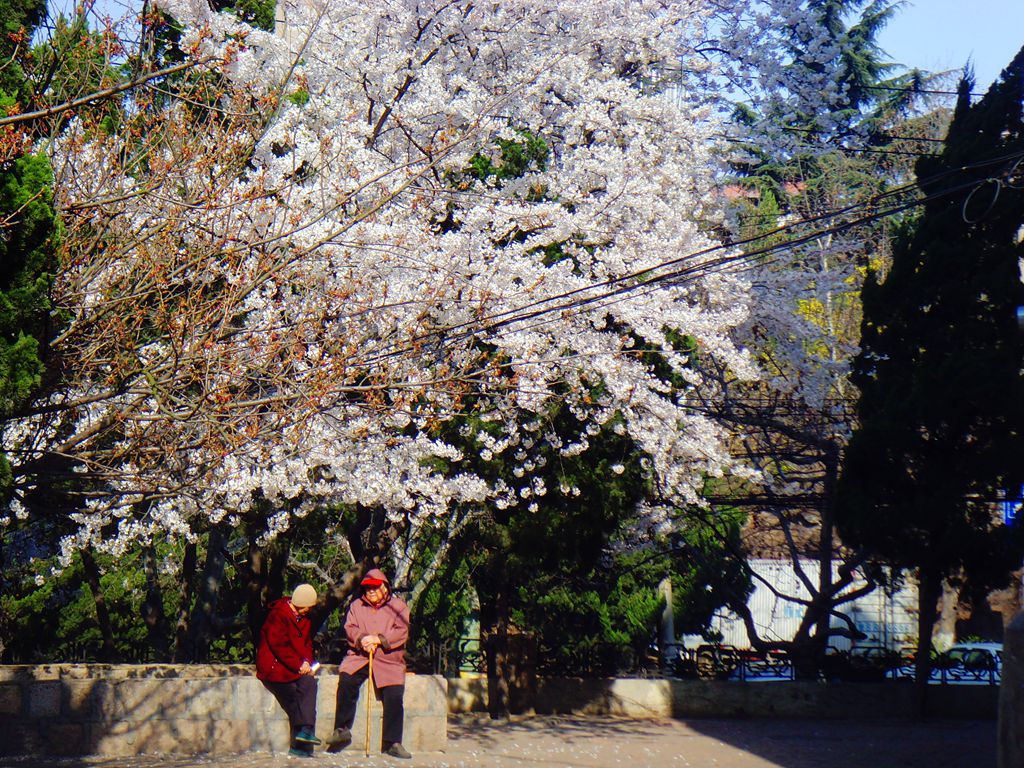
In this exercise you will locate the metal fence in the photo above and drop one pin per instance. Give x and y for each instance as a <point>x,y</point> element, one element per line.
<point>960,666</point>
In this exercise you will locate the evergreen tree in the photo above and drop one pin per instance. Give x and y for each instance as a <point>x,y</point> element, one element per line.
<point>942,396</point>
<point>27,228</point>
<point>793,422</point>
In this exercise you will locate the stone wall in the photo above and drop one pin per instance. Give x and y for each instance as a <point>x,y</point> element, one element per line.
<point>120,710</point>
<point>652,698</point>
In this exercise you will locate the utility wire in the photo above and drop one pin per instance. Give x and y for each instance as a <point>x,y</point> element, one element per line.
<point>687,274</point>
<point>916,90</point>
<point>839,148</point>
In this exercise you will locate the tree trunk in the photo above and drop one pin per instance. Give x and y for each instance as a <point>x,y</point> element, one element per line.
<point>823,603</point>
<point>369,539</point>
<point>108,650</point>
<point>928,590</point>
<point>152,608</point>
<point>263,575</point>
<point>181,626</point>
<point>498,693</point>
<point>204,615</point>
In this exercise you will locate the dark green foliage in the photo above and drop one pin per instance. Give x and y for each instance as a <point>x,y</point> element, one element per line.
<point>17,20</point>
<point>28,230</point>
<point>942,403</point>
<point>258,13</point>
<point>56,619</point>
<point>516,158</point>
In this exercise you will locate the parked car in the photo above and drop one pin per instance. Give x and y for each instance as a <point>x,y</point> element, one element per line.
<point>968,663</point>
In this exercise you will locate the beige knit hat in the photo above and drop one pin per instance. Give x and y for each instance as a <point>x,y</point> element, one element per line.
<point>304,596</point>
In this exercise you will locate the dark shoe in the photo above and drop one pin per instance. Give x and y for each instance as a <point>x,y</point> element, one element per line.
<point>299,752</point>
<point>305,736</point>
<point>340,738</point>
<point>397,750</point>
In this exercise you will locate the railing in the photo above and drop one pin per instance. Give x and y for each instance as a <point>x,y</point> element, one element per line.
<point>449,658</point>
<point>959,666</point>
<point>962,665</point>
<point>724,662</point>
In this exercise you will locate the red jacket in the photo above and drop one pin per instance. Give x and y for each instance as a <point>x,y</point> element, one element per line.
<point>390,620</point>
<point>285,642</point>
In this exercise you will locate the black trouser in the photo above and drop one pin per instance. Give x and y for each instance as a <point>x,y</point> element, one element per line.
<point>298,700</point>
<point>391,696</point>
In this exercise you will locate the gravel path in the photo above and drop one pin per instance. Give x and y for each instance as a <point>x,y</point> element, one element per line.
<point>578,742</point>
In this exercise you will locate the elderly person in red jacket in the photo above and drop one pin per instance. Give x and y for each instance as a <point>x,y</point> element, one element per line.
<point>284,664</point>
<point>377,622</point>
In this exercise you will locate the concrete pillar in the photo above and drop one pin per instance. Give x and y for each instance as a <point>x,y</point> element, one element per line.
<point>1010,738</point>
<point>667,626</point>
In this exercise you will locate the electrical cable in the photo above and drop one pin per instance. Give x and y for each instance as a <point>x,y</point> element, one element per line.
<point>689,274</point>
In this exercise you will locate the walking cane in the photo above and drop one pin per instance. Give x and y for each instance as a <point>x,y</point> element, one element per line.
<point>369,701</point>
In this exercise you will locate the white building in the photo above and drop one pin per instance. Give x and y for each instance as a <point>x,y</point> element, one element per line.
<point>888,620</point>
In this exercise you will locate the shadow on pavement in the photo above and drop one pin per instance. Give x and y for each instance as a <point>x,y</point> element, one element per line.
<point>609,742</point>
<point>735,743</point>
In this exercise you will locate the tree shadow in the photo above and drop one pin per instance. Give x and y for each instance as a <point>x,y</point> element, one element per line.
<point>789,724</point>
<point>567,741</point>
<point>74,712</point>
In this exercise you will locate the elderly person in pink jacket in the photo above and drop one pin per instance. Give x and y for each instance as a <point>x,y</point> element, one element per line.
<point>377,622</point>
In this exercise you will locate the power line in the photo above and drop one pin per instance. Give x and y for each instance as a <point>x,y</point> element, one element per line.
<point>840,148</point>
<point>916,90</point>
<point>688,274</point>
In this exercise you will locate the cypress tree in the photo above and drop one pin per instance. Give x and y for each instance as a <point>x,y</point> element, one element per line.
<point>27,228</point>
<point>941,410</point>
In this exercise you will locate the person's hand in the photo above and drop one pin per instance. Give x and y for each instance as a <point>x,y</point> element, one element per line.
<point>305,669</point>
<point>370,643</point>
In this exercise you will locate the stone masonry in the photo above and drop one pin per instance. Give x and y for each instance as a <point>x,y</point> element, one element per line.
<point>122,710</point>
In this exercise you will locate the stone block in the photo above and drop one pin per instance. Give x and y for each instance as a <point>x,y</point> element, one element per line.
<point>137,700</point>
<point>231,736</point>
<point>10,699</point>
<point>126,738</point>
<point>16,737</point>
<point>79,672</point>
<point>79,698</point>
<point>44,699</point>
<point>205,699</point>
<point>67,739</point>
<point>467,695</point>
<point>632,697</point>
<point>425,693</point>
<point>46,672</point>
<point>251,699</point>
<point>426,733</point>
<point>359,726</point>
<point>272,735</point>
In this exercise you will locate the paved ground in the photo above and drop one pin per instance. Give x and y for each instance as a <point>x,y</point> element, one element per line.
<point>576,742</point>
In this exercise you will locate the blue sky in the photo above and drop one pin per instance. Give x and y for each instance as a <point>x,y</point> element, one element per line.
<point>941,34</point>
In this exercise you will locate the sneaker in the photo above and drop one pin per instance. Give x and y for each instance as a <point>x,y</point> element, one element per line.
<point>299,752</point>
<point>305,736</point>
<point>397,750</point>
<point>340,737</point>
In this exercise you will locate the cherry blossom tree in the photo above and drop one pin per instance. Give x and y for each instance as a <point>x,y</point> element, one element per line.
<point>282,278</point>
